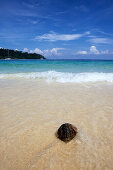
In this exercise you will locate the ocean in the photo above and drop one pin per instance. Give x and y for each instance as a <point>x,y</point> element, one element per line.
<point>58,70</point>
<point>37,96</point>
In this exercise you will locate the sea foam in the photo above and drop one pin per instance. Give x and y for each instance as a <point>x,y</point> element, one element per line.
<point>62,77</point>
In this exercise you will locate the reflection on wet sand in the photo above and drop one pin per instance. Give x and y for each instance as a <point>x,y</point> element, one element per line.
<point>32,111</point>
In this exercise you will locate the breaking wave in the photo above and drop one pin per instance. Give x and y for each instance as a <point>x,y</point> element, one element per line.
<point>62,77</point>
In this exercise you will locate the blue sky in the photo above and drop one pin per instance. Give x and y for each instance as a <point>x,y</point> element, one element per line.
<point>58,28</point>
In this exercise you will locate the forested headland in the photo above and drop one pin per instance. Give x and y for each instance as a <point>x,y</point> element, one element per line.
<point>15,54</point>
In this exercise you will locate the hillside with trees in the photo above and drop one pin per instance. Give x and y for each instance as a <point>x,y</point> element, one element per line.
<point>15,54</point>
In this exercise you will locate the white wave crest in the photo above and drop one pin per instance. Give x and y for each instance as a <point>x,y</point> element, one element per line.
<point>62,77</point>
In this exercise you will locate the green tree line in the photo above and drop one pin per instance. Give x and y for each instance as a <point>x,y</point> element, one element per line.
<point>15,54</point>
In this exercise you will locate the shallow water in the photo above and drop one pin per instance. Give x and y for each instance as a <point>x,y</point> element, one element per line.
<point>31,112</point>
<point>65,66</point>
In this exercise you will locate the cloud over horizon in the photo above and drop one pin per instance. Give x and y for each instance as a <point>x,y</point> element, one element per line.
<point>46,52</point>
<point>59,52</point>
<point>93,50</point>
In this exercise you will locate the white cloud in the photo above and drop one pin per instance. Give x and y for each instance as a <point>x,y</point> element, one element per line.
<point>87,32</point>
<point>47,52</point>
<point>82,52</point>
<point>55,51</point>
<point>36,50</point>
<point>1,47</point>
<point>25,50</point>
<point>100,40</point>
<point>60,37</point>
<point>93,50</point>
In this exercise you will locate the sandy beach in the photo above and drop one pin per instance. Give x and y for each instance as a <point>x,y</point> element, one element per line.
<point>56,85</point>
<point>31,111</point>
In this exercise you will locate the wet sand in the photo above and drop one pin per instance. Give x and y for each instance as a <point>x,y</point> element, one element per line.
<point>31,112</point>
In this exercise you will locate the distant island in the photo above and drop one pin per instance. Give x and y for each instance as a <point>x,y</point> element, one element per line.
<point>15,54</point>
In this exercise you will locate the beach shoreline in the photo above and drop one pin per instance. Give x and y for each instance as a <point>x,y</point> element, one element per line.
<point>31,112</point>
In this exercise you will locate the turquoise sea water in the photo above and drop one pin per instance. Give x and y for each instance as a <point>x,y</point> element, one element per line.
<point>72,66</point>
<point>58,70</point>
